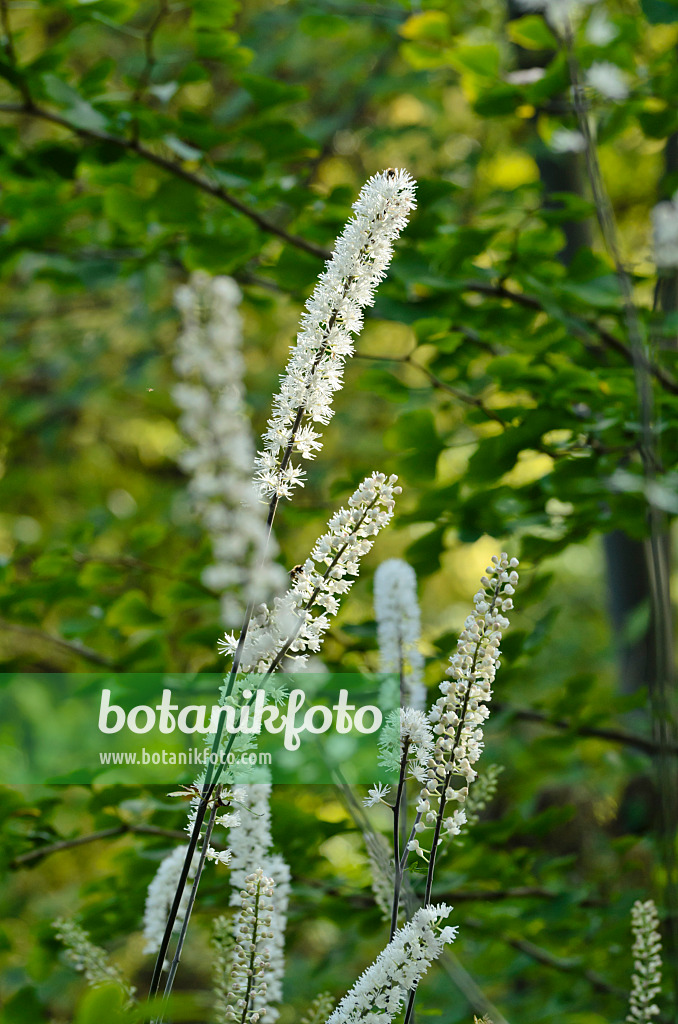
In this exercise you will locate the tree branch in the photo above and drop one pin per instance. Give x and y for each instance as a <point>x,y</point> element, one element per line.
<point>133,145</point>
<point>130,562</point>
<point>57,641</point>
<point>542,956</point>
<point>608,339</point>
<point>104,833</point>
<point>647,745</point>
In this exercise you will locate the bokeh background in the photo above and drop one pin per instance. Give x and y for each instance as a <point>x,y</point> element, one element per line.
<point>495,374</point>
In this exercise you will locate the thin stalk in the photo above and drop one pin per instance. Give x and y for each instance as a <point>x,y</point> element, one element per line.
<point>189,909</point>
<point>656,555</point>
<point>397,809</point>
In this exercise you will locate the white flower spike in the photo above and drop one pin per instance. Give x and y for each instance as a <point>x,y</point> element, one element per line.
<point>334,314</point>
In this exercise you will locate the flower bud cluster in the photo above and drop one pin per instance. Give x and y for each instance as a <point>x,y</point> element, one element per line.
<point>246,1000</point>
<point>458,716</point>
<point>297,622</point>
<point>334,313</point>
<point>399,628</point>
<point>379,993</point>
<point>319,1009</point>
<point>92,960</point>
<point>220,454</point>
<point>647,962</point>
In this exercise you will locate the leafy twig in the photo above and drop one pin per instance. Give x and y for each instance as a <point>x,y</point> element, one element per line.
<point>132,145</point>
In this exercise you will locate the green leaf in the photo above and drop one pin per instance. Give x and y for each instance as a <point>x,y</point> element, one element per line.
<point>532,33</point>
<point>213,14</point>
<point>79,112</point>
<point>415,435</point>
<point>102,1005</point>
<point>267,92</point>
<point>432,26</point>
<point>125,207</point>
<point>382,382</point>
<point>481,60</point>
<point>131,612</point>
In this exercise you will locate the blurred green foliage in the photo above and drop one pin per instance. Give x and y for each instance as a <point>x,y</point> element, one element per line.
<point>141,141</point>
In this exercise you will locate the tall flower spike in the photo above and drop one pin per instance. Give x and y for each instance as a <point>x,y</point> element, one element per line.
<point>160,895</point>
<point>246,999</point>
<point>647,961</point>
<point>381,990</point>
<point>298,621</point>
<point>399,628</point>
<point>249,838</point>
<point>334,313</point>
<point>250,843</point>
<point>457,717</point>
<point>220,455</point>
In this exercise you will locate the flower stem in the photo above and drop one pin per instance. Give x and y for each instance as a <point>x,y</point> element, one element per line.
<point>397,810</point>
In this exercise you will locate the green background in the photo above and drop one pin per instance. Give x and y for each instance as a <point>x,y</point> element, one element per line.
<point>493,375</point>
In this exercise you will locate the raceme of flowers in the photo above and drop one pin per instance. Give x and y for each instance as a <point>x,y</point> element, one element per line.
<point>160,895</point>
<point>399,629</point>
<point>250,843</point>
<point>91,960</point>
<point>482,791</point>
<point>297,621</point>
<point>381,990</point>
<point>246,1000</point>
<point>334,314</point>
<point>220,455</point>
<point>458,716</point>
<point>647,963</point>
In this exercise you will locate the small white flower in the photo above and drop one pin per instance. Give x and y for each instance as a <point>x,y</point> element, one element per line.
<point>563,140</point>
<point>607,80</point>
<point>525,76</point>
<point>599,29</point>
<point>376,794</point>
<point>665,233</point>
<point>559,13</point>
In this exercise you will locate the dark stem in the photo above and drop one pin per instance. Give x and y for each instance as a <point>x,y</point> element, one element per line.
<point>397,810</point>
<point>191,902</point>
